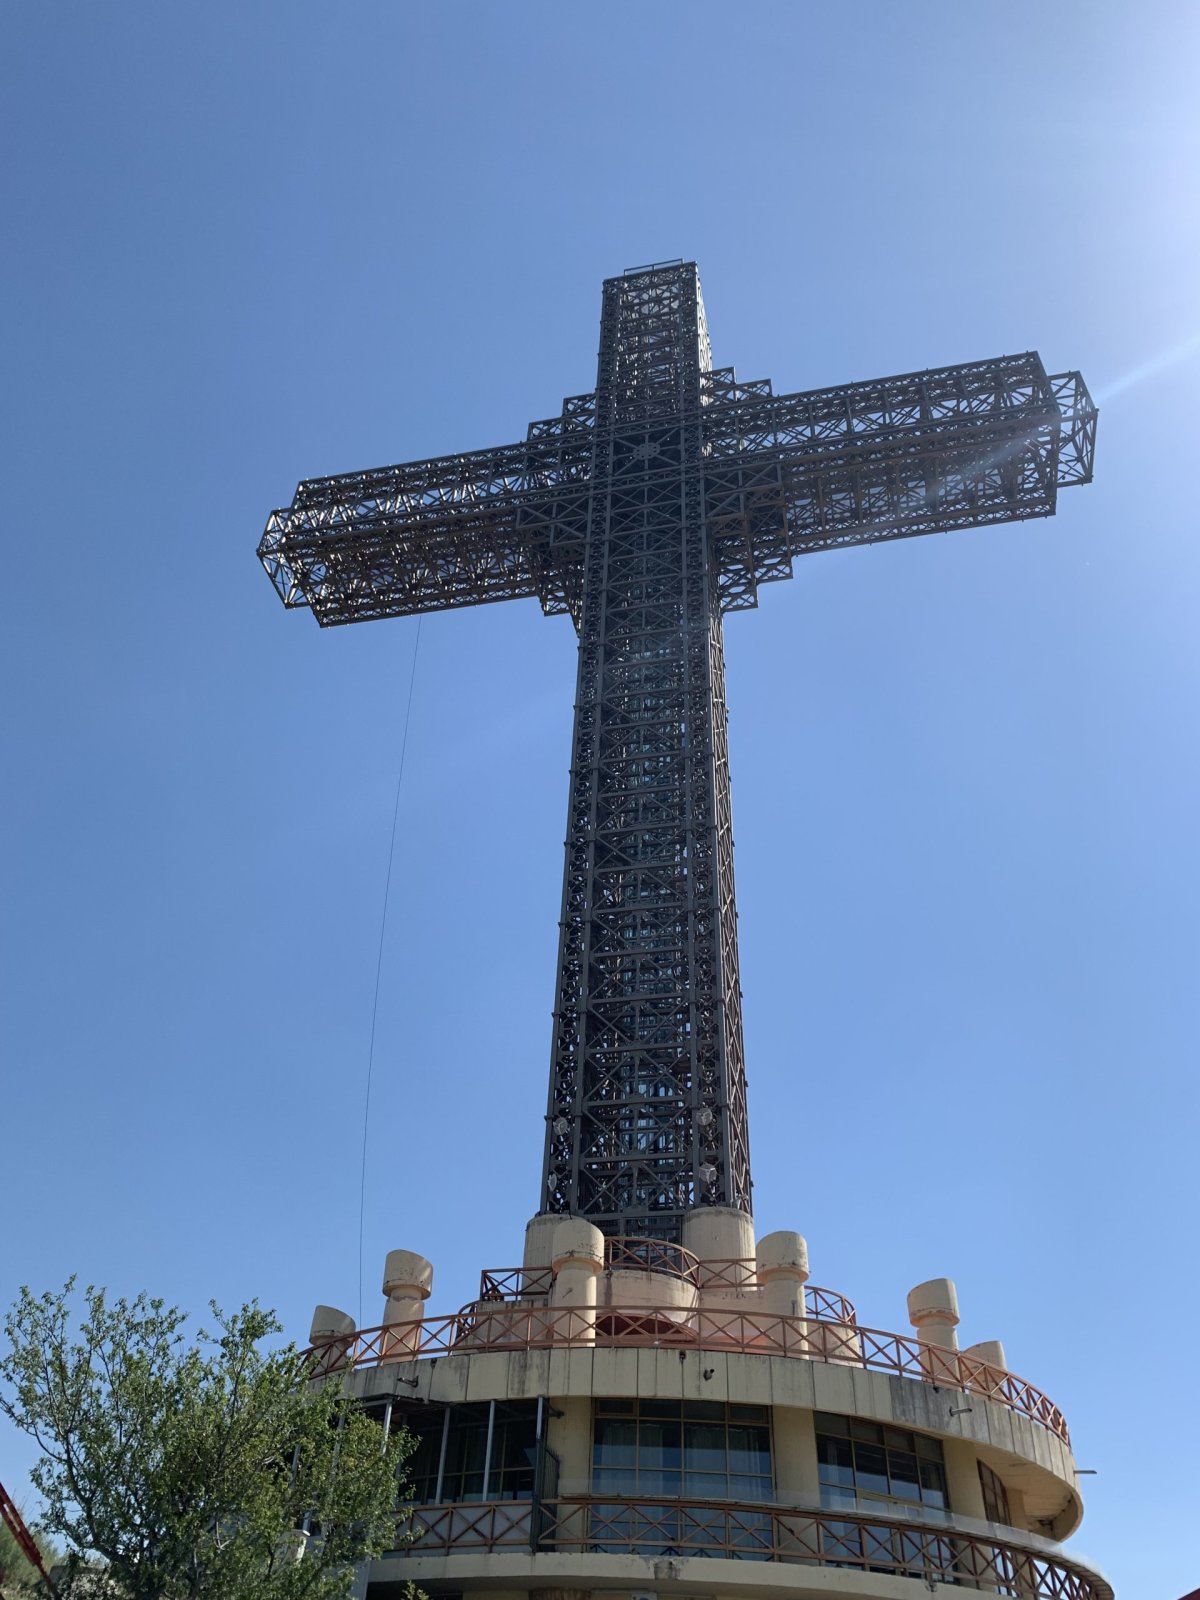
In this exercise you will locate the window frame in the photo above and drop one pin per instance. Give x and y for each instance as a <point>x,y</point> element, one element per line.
<point>663,1470</point>
<point>845,1485</point>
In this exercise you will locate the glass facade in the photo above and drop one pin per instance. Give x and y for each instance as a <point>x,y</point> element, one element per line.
<point>452,1461</point>
<point>699,1450</point>
<point>687,1450</point>
<point>863,1461</point>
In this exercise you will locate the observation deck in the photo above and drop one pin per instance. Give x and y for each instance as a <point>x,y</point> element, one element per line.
<point>644,1418</point>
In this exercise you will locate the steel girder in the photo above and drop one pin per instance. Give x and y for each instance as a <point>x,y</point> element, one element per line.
<point>646,510</point>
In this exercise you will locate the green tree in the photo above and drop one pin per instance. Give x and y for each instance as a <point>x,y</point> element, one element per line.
<point>182,1470</point>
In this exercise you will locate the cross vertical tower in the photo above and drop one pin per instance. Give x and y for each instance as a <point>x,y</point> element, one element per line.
<point>644,511</point>
<point>647,1111</point>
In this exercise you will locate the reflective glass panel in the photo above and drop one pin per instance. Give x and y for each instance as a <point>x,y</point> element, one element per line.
<point>705,1449</point>
<point>870,1468</point>
<point>881,1463</point>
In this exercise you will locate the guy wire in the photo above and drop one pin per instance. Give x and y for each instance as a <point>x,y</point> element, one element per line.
<point>362,1187</point>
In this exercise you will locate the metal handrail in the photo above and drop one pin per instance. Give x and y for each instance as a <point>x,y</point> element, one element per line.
<point>535,1327</point>
<point>631,1253</point>
<point>515,1283</point>
<point>503,1284</point>
<point>607,1525</point>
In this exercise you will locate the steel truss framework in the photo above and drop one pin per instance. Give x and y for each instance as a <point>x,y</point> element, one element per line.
<point>645,511</point>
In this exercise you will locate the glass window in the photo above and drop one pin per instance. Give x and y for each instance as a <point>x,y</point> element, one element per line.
<point>933,1484</point>
<point>857,1459</point>
<point>995,1496</point>
<point>902,1470</point>
<point>703,1450</point>
<point>510,1470</point>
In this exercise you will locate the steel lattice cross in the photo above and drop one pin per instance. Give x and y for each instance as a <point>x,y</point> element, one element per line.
<point>645,511</point>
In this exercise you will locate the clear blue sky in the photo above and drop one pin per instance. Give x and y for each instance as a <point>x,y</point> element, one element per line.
<point>249,243</point>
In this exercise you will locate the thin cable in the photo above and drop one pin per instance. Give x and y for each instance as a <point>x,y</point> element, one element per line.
<point>362,1188</point>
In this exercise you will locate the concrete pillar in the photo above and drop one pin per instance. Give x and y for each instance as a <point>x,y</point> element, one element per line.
<point>782,1260</point>
<point>722,1239</point>
<point>645,1291</point>
<point>407,1283</point>
<point>933,1312</point>
<point>988,1378</point>
<point>963,1489</point>
<point>333,1331</point>
<point>329,1323</point>
<point>578,1261</point>
<point>990,1351</point>
<point>797,1483</point>
<point>539,1240</point>
<point>569,1435</point>
<point>536,1259</point>
<point>721,1234</point>
<point>795,1442</point>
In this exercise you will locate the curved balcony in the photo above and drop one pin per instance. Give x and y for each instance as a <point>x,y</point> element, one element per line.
<point>508,1284</point>
<point>933,1552</point>
<point>501,1326</point>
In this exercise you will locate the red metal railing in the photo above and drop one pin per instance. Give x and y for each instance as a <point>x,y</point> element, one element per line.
<point>847,1539</point>
<point>515,1283</point>
<point>525,1327</point>
<point>634,1254</point>
<point>12,1519</point>
<point>654,1255</point>
<point>828,1306</point>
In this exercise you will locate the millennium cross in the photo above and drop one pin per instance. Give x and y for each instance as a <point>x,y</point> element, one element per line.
<point>645,511</point>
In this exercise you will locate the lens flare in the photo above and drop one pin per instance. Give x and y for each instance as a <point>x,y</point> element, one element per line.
<point>1163,362</point>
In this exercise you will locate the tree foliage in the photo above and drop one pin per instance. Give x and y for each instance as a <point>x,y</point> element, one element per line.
<point>182,1469</point>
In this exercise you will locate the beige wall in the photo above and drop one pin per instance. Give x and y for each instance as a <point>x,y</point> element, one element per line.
<point>795,1446</point>
<point>570,1438</point>
<point>962,1478</point>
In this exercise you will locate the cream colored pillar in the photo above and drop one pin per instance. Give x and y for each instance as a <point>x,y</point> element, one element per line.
<point>569,1435</point>
<point>722,1239</point>
<point>989,1350</point>
<point>933,1312</point>
<point>578,1261</point>
<point>332,1332</point>
<point>536,1262</point>
<point>407,1283</point>
<point>988,1378</point>
<point>795,1449</point>
<point>963,1489</point>
<point>722,1234</point>
<point>782,1260</point>
<point>539,1240</point>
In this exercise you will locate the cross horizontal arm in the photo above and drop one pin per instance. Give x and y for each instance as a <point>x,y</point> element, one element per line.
<point>924,452</point>
<point>427,535</point>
